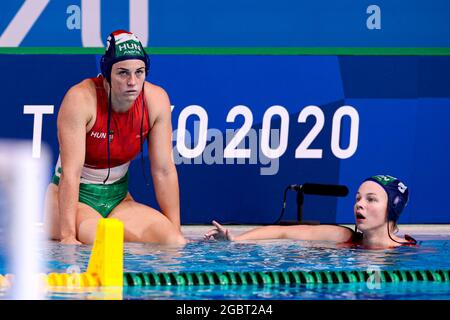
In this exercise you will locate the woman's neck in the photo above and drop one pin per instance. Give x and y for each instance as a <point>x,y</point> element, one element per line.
<point>379,238</point>
<point>120,107</point>
<point>117,106</point>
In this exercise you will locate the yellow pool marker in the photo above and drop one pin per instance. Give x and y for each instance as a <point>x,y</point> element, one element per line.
<point>106,261</point>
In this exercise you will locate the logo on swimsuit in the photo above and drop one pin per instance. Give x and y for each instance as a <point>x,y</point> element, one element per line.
<point>98,135</point>
<point>102,135</point>
<point>144,135</point>
<point>111,135</point>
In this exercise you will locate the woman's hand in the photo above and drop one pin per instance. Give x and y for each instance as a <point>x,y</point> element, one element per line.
<point>218,233</point>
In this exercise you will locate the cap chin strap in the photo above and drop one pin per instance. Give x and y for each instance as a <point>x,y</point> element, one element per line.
<point>389,234</point>
<point>108,133</point>
<point>142,134</point>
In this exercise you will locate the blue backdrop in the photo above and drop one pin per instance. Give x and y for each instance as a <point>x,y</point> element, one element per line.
<point>372,114</point>
<point>403,106</point>
<point>235,23</point>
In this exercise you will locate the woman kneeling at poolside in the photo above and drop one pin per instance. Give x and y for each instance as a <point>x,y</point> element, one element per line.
<point>379,202</point>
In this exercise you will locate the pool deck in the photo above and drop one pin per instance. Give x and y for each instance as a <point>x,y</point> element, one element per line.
<point>415,230</point>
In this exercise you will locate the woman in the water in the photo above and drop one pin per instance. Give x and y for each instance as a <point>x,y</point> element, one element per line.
<point>379,202</point>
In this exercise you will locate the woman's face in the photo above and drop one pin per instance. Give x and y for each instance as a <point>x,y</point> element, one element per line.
<point>370,206</point>
<point>127,78</point>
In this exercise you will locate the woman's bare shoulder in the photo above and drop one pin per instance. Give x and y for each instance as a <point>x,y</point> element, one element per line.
<point>84,90</point>
<point>79,102</point>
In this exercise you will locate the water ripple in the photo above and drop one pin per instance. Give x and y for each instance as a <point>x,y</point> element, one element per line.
<point>270,255</point>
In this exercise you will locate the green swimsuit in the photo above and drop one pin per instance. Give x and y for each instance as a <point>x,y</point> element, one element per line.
<point>102,197</point>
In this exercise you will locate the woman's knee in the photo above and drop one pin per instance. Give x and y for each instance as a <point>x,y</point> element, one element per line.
<point>87,230</point>
<point>176,238</point>
<point>145,224</point>
<point>168,233</point>
<point>155,233</point>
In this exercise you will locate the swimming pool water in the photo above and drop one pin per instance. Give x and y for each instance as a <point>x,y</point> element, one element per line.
<point>269,255</point>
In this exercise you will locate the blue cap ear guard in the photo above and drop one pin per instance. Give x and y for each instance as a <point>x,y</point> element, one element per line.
<point>398,194</point>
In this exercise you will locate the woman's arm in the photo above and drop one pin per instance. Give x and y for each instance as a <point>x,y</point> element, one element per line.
<point>295,232</point>
<point>164,173</point>
<point>72,121</point>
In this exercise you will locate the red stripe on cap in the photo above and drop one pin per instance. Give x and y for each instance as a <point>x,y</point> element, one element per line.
<point>120,31</point>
